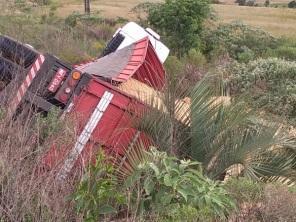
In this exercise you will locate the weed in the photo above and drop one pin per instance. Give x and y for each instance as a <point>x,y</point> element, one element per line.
<point>97,194</point>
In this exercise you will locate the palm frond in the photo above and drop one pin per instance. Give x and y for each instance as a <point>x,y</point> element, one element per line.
<point>219,136</point>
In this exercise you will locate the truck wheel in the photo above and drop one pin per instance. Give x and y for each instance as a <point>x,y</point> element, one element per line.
<point>8,70</point>
<point>17,52</point>
<point>10,76</point>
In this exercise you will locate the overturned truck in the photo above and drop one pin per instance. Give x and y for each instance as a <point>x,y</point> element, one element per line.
<point>33,82</point>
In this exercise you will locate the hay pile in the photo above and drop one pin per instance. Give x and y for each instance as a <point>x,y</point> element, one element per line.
<point>155,99</point>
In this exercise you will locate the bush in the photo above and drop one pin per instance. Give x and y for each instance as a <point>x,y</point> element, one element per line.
<point>42,2</point>
<point>249,196</point>
<point>167,185</point>
<point>251,3</point>
<point>246,2</point>
<point>245,190</point>
<point>241,2</point>
<point>180,22</point>
<point>246,55</point>
<point>279,204</point>
<point>239,41</point>
<point>188,70</point>
<point>286,49</point>
<point>194,67</point>
<point>262,202</point>
<point>292,4</point>
<point>268,83</point>
<point>97,193</point>
<point>73,19</point>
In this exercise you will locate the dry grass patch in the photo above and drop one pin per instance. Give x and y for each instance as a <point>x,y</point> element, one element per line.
<point>28,191</point>
<point>110,9</point>
<point>278,21</point>
<point>232,2</point>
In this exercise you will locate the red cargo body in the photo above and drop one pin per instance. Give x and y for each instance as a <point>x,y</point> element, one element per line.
<point>103,113</point>
<point>138,60</point>
<point>105,118</point>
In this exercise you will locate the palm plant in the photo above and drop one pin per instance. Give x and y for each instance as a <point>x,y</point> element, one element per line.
<point>217,135</point>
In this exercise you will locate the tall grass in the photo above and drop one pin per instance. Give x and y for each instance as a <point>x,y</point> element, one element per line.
<point>28,193</point>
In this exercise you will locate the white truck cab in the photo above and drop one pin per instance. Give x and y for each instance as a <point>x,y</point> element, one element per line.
<point>131,33</point>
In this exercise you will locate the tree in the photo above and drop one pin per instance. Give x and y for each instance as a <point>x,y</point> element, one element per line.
<point>180,22</point>
<point>267,3</point>
<point>292,4</point>
<point>87,6</point>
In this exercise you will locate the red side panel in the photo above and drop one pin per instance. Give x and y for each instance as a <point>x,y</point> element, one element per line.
<point>135,61</point>
<point>151,72</point>
<point>144,66</point>
<point>115,129</point>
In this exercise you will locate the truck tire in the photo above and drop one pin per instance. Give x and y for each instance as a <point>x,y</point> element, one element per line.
<point>8,70</point>
<point>17,52</point>
<point>113,44</point>
<point>11,75</point>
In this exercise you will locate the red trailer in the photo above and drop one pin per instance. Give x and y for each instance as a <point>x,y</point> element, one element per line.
<point>105,118</point>
<point>104,114</point>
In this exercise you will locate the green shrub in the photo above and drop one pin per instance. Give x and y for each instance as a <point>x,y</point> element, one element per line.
<point>97,193</point>
<point>279,203</point>
<point>268,83</point>
<point>167,185</point>
<point>195,57</point>
<point>251,3</point>
<point>246,55</point>
<point>240,41</point>
<point>49,125</point>
<point>245,190</point>
<point>180,213</point>
<point>73,19</point>
<point>285,52</point>
<point>194,68</point>
<point>292,4</point>
<point>2,113</point>
<point>23,6</point>
<point>180,22</point>
<point>173,66</point>
<point>188,70</point>
<point>286,49</point>
<point>249,196</point>
<point>241,2</point>
<point>292,189</point>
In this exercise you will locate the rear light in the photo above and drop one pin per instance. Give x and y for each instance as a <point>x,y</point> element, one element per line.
<point>68,86</point>
<point>76,75</point>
